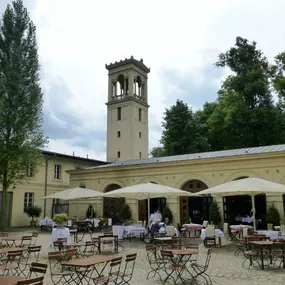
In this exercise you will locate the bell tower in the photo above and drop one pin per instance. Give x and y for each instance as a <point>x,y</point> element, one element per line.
<point>127,110</point>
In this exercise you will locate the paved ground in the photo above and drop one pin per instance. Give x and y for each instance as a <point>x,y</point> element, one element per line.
<point>225,269</point>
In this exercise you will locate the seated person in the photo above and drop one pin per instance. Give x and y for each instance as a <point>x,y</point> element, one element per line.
<point>162,229</point>
<point>154,228</point>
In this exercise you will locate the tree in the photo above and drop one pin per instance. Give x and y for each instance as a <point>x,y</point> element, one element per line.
<point>245,114</point>
<point>182,132</point>
<point>157,152</point>
<point>273,216</point>
<point>215,216</point>
<point>21,99</point>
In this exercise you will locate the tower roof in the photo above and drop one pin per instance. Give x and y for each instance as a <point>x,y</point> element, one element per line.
<point>138,63</point>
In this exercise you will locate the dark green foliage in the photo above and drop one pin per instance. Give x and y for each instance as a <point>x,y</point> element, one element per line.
<point>126,213</point>
<point>244,114</point>
<point>182,132</point>
<point>215,216</point>
<point>21,99</point>
<point>33,212</point>
<point>157,152</point>
<point>167,214</point>
<point>273,216</point>
<point>90,213</point>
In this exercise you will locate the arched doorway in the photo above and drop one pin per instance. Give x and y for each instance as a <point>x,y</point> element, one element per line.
<point>112,206</point>
<point>197,208</point>
<point>155,204</point>
<point>238,209</point>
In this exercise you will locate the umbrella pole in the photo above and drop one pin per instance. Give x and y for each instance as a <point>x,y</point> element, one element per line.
<point>77,208</point>
<point>148,209</point>
<point>253,212</point>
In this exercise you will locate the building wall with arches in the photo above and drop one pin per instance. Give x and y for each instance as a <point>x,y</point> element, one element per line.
<point>211,172</point>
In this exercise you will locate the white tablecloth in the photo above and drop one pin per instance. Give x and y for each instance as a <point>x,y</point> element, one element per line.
<point>190,227</point>
<point>271,234</point>
<point>47,222</point>
<point>240,227</point>
<point>133,231</point>
<point>249,220</point>
<point>218,233</point>
<point>94,221</point>
<point>60,233</point>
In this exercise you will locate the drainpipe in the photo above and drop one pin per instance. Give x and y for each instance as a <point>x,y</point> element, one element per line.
<point>46,183</point>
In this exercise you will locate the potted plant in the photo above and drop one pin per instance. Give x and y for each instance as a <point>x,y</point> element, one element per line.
<point>125,214</point>
<point>273,216</point>
<point>60,219</point>
<point>90,213</point>
<point>215,216</point>
<point>33,212</point>
<point>167,214</point>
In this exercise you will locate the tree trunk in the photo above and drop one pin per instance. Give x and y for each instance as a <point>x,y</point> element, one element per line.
<point>4,205</point>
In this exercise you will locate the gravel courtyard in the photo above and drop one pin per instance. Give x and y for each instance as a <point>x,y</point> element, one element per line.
<point>224,269</point>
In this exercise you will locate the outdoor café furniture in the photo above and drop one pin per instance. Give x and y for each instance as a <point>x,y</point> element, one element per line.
<point>268,245</point>
<point>236,230</point>
<point>184,254</point>
<point>218,234</point>
<point>10,280</point>
<point>195,228</point>
<point>60,233</point>
<point>11,263</point>
<point>272,235</point>
<point>11,240</point>
<point>201,269</point>
<point>85,267</point>
<point>109,239</point>
<point>156,263</point>
<point>74,232</point>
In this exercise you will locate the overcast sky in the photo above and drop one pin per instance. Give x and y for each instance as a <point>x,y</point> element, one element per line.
<point>178,40</point>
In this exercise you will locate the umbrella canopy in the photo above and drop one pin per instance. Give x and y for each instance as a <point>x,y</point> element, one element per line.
<point>74,194</point>
<point>147,191</point>
<point>247,186</point>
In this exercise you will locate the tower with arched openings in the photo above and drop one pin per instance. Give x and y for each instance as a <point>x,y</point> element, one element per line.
<point>127,110</point>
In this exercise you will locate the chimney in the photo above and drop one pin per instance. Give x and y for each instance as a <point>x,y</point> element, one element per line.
<point>87,155</point>
<point>73,154</point>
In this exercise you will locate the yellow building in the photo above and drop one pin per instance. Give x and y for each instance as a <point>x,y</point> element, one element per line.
<point>193,172</point>
<point>127,146</point>
<point>50,177</point>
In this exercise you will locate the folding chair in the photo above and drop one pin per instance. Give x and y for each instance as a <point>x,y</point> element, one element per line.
<point>126,275</point>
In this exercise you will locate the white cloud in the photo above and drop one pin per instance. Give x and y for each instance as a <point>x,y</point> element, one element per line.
<point>76,39</point>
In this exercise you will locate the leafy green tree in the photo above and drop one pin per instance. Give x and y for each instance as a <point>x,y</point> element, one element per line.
<point>21,99</point>
<point>157,152</point>
<point>215,216</point>
<point>181,131</point>
<point>273,216</point>
<point>245,114</point>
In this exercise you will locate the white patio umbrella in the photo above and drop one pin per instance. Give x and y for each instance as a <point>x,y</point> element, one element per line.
<point>247,186</point>
<point>74,194</point>
<point>147,191</point>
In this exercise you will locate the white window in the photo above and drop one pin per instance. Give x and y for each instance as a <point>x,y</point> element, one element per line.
<point>28,200</point>
<point>31,170</point>
<point>57,172</point>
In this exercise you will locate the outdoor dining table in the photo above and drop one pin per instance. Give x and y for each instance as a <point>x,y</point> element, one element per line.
<point>268,244</point>
<point>11,240</point>
<point>10,280</point>
<point>183,253</point>
<point>87,264</point>
<point>195,228</point>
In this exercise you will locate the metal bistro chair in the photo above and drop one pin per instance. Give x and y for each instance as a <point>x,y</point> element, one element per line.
<point>126,275</point>
<point>33,281</point>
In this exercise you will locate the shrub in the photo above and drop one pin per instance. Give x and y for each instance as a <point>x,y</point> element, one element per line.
<point>167,213</point>
<point>126,213</point>
<point>33,212</point>
<point>60,218</point>
<point>215,216</point>
<point>273,216</point>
